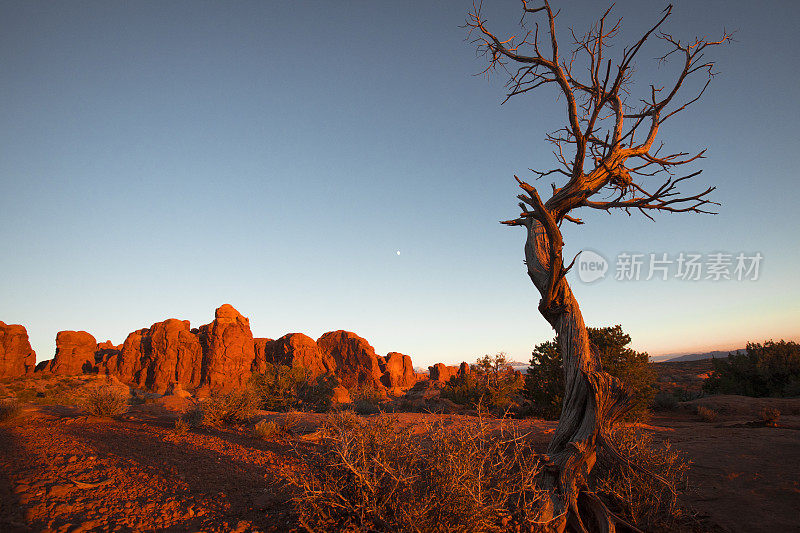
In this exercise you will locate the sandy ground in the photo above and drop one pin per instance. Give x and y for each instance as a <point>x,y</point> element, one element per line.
<point>63,471</point>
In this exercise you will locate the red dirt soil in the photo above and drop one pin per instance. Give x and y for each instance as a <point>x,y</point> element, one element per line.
<point>744,477</point>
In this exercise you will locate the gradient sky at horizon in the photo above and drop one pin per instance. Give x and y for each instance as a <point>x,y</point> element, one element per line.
<point>158,159</point>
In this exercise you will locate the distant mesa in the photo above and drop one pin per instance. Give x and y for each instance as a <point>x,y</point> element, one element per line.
<point>673,358</point>
<point>172,357</point>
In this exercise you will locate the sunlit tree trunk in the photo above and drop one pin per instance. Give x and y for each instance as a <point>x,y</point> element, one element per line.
<point>593,401</point>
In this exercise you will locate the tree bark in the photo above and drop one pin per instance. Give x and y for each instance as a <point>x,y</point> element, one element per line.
<point>593,401</point>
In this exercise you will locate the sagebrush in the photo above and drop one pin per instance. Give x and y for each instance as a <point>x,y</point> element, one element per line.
<point>106,401</point>
<point>706,414</point>
<point>645,486</point>
<point>282,387</point>
<point>371,474</point>
<point>235,407</point>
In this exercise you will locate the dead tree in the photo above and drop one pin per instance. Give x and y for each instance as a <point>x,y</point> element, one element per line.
<point>607,159</point>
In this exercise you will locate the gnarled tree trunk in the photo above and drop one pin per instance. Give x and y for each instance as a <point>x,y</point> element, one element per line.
<point>593,400</point>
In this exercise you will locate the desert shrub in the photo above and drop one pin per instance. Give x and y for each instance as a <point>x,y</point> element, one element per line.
<point>283,428</point>
<point>544,382</point>
<point>491,384</point>
<point>282,387</point>
<point>9,409</point>
<point>181,426</point>
<point>687,395</point>
<point>769,415</point>
<point>193,417</point>
<point>318,394</point>
<point>370,475</point>
<point>631,490</point>
<point>706,414</point>
<point>366,393</point>
<point>339,421</point>
<point>664,401</point>
<point>279,386</point>
<point>266,429</point>
<point>366,407</point>
<point>232,408</point>
<point>106,401</point>
<point>769,369</point>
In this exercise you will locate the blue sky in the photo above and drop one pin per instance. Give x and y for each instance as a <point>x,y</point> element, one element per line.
<point>160,159</point>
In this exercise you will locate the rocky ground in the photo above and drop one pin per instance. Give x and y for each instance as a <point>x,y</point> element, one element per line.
<point>61,470</point>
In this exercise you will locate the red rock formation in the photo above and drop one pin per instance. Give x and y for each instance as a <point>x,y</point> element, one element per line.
<point>174,356</point>
<point>340,396</point>
<point>464,369</point>
<point>16,355</point>
<point>399,371</point>
<point>105,351</point>
<point>221,355</point>
<point>228,350</point>
<point>263,349</point>
<point>74,353</point>
<point>298,350</point>
<point>356,363</point>
<point>167,352</point>
<point>130,361</point>
<point>442,373</point>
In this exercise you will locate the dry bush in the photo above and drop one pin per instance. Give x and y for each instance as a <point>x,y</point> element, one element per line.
<point>706,414</point>
<point>284,428</point>
<point>234,407</point>
<point>291,421</point>
<point>267,429</point>
<point>770,416</point>
<point>366,407</point>
<point>181,426</point>
<point>341,420</point>
<point>9,409</point>
<point>370,475</point>
<point>631,490</point>
<point>664,401</point>
<point>193,417</point>
<point>106,401</point>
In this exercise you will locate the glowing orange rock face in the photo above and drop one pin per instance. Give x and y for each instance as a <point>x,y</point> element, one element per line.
<point>16,355</point>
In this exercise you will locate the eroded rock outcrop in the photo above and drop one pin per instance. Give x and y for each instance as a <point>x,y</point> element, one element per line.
<point>75,353</point>
<point>356,363</point>
<point>16,355</point>
<point>156,357</point>
<point>263,347</point>
<point>398,371</point>
<point>228,350</point>
<point>442,373</point>
<point>220,356</point>
<point>296,349</point>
